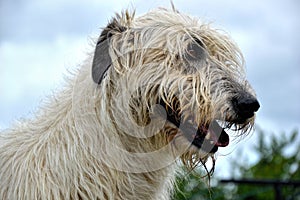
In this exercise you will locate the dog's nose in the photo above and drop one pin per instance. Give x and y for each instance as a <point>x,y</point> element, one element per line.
<point>246,106</point>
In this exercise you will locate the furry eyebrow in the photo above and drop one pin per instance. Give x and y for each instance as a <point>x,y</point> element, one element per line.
<point>198,41</point>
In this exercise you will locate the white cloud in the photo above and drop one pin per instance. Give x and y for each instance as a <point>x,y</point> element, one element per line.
<point>30,71</point>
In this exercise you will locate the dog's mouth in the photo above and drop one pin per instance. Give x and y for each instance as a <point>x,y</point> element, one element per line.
<point>207,137</point>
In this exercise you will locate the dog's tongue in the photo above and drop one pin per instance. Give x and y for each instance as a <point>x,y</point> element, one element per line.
<point>218,135</point>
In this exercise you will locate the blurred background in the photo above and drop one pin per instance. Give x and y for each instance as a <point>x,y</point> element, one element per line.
<point>42,40</point>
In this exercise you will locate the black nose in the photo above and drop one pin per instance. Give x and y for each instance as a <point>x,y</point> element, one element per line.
<point>245,106</point>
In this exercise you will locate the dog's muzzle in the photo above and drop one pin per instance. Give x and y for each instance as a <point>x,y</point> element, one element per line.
<point>209,137</point>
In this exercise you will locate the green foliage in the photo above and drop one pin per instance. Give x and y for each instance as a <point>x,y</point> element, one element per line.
<point>191,186</point>
<point>273,163</point>
<point>278,159</point>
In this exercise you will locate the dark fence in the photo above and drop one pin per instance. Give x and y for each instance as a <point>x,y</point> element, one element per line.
<point>277,184</point>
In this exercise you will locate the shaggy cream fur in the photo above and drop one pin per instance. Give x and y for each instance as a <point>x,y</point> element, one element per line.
<point>107,140</point>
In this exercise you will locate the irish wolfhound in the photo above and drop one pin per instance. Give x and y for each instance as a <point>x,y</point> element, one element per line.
<point>159,87</point>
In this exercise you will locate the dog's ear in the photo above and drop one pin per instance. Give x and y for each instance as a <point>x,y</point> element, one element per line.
<point>102,60</point>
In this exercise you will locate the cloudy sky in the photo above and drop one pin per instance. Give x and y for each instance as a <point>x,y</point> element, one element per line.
<point>41,40</point>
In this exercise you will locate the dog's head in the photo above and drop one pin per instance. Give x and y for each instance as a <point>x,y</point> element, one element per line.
<point>167,67</point>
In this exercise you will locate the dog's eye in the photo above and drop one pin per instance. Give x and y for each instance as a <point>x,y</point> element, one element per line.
<point>195,51</point>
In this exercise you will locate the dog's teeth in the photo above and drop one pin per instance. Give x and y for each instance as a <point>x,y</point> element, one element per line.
<point>208,136</point>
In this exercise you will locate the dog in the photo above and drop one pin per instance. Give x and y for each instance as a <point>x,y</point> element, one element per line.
<point>159,89</point>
